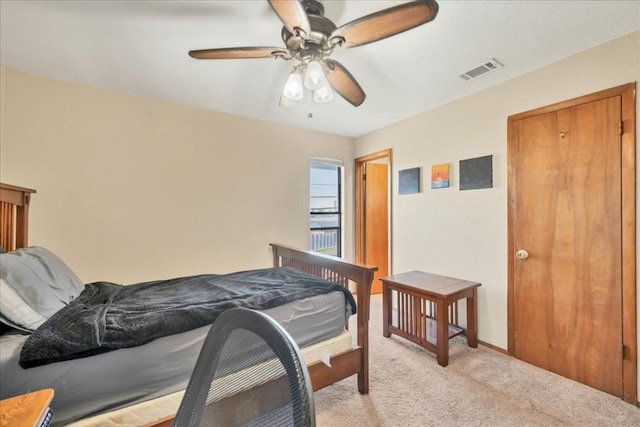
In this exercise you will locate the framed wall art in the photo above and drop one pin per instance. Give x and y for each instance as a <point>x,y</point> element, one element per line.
<point>476,173</point>
<point>440,176</point>
<point>409,181</point>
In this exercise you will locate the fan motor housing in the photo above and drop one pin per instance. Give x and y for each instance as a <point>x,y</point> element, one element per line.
<point>321,29</point>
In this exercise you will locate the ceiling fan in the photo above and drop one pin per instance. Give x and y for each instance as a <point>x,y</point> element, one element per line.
<point>310,38</point>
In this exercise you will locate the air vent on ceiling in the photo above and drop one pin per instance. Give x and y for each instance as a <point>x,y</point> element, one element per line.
<point>486,68</point>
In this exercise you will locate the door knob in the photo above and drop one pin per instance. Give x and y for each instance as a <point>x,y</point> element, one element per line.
<point>522,254</point>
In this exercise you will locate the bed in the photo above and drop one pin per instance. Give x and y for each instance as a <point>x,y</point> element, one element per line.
<point>142,385</point>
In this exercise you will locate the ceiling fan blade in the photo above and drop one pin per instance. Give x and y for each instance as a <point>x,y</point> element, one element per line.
<point>238,52</point>
<point>292,15</point>
<point>386,23</point>
<point>344,83</point>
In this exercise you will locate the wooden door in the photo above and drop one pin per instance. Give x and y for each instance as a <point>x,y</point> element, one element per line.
<point>566,212</point>
<point>376,221</point>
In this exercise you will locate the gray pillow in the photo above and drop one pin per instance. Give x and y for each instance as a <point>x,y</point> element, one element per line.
<point>8,325</point>
<point>34,285</point>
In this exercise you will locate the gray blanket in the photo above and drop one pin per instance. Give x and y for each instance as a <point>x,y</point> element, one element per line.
<point>107,316</point>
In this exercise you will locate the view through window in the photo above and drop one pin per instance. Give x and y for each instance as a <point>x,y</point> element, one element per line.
<point>325,203</point>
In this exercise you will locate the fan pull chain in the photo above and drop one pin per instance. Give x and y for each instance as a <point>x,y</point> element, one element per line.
<point>309,112</point>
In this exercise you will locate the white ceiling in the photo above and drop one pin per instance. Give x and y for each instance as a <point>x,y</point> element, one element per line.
<point>140,47</point>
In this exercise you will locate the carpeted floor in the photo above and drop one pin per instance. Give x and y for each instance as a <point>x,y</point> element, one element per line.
<point>479,387</point>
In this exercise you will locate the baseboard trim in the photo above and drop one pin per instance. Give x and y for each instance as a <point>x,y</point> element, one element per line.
<point>493,347</point>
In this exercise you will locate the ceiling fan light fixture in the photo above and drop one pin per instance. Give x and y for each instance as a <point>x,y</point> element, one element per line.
<point>294,89</point>
<point>314,77</point>
<point>323,93</point>
<point>310,38</point>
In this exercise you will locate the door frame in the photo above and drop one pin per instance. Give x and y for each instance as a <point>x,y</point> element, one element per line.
<point>359,203</point>
<point>628,176</point>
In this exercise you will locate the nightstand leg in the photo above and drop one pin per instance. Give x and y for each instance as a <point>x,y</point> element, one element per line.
<point>472,320</point>
<point>387,306</point>
<point>443,332</point>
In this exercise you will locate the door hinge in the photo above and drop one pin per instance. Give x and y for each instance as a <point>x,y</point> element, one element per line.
<point>620,128</point>
<point>622,351</point>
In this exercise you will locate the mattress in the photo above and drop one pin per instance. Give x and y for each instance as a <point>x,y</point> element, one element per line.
<point>151,411</point>
<point>105,382</point>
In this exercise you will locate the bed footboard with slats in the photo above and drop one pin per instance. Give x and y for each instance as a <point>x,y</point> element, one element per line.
<point>357,277</point>
<point>14,216</point>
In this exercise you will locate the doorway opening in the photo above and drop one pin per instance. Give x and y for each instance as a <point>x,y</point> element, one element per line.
<point>373,213</point>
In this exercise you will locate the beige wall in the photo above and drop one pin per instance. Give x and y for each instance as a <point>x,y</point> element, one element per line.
<point>133,189</point>
<point>464,233</point>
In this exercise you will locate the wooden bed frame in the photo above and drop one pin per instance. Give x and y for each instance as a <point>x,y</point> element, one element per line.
<point>14,216</point>
<point>341,272</point>
<point>14,224</point>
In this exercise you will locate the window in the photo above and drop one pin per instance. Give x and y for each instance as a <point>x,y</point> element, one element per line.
<point>325,202</point>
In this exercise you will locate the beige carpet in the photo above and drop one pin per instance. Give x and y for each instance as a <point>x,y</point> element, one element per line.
<point>479,387</point>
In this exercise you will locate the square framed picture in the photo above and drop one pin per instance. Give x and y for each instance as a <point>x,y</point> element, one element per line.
<point>409,181</point>
<point>440,176</point>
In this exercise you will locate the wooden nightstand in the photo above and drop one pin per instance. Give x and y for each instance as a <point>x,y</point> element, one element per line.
<point>418,321</point>
<point>27,410</point>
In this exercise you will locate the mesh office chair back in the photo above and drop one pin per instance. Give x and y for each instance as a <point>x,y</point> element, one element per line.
<point>249,373</point>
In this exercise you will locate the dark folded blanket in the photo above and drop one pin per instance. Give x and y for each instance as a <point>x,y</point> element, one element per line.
<point>108,316</point>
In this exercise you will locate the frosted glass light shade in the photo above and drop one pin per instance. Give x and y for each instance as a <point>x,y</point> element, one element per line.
<point>323,93</point>
<point>293,89</point>
<point>314,77</point>
<point>285,102</point>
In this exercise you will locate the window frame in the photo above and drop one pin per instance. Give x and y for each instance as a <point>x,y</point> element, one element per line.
<point>339,229</point>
